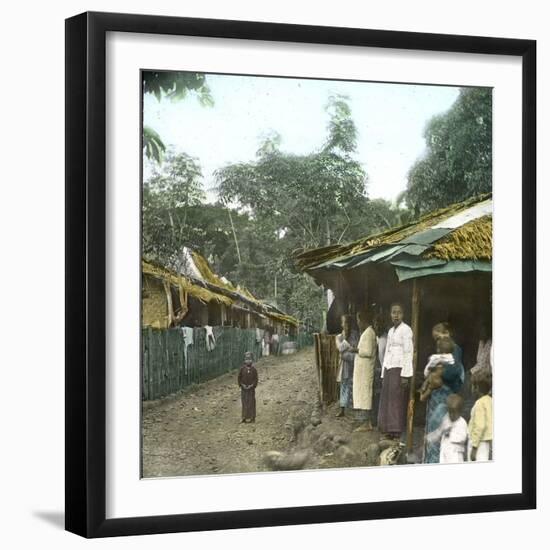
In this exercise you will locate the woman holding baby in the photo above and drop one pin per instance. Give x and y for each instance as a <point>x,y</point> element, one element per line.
<point>444,376</point>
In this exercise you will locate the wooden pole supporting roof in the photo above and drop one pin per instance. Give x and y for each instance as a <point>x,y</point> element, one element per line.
<point>415,318</point>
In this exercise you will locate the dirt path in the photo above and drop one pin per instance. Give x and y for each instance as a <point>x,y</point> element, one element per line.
<point>198,431</point>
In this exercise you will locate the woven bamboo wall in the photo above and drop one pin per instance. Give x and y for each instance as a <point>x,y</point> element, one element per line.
<point>167,369</point>
<point>154,307</point>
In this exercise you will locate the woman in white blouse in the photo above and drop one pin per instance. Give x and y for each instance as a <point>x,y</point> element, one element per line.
<point>396,372</point>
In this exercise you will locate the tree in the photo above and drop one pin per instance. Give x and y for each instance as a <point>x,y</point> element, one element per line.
<point>342,132</point>
<point>169,197</point>
<point>153,145</point>
<point>295,202</point>
<point>176,86</point>
<point>310,199</point>
<point>458,160</point>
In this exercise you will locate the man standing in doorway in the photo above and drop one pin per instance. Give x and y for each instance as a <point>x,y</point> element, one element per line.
<point>396,373</point>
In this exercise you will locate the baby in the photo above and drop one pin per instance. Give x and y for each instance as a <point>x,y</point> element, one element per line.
<point>452,432</point>
<point>434,369</point>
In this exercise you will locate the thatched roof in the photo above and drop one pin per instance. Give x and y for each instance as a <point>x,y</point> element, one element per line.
<point>211,287</point>
<point>472,241</point>
<point>207,273</point>
<point>209,276</point>
<point>238,292</point>
<point>460,232</point>
<point>200,292</point>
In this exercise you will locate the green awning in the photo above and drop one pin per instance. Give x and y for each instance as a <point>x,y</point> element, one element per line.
<point>377,255</point>
<point>447,268</point>
<point>414,262</point>
<point>427,236</point>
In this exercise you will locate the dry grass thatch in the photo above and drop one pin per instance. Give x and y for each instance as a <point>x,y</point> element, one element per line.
<point>472,241</point>
<point>206,271</point>
<point>282,318</point>
<point>210,277</point>
<point>203,294</point>
<point>311,258</point>
<point>207,295</point>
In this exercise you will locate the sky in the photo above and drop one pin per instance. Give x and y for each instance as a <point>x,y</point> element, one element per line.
<point>390,119</point>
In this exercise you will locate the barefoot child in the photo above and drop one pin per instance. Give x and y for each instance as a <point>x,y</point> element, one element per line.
<point>248,380</point>
<point>452,432</point>
<point>481,420</point>
<point>436,364</point>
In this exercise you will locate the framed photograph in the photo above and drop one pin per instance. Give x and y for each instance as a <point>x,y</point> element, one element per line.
<point>300,274</point>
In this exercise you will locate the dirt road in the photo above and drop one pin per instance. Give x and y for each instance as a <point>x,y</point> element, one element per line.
<point>198,431</point>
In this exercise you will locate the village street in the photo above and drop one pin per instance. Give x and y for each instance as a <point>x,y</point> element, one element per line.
<point>198,431</point>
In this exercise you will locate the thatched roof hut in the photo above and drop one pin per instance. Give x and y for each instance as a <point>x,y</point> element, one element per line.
<point>439,267</point>
<point>450,241</point>
<point>198,296</point>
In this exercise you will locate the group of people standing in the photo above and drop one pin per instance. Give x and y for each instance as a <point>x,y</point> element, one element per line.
<point>446,386</point>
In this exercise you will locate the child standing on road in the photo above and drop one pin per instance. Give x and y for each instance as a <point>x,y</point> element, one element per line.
<point>248,380</point>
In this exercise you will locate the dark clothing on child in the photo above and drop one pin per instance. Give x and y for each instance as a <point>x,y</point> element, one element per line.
<point>248,380</point>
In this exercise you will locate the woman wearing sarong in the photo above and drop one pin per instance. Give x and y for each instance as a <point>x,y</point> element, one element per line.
<point>396,373</point>
<point>436,407</point>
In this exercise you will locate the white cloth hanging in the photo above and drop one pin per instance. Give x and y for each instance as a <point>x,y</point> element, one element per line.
<point>187,333</point>
<point>210,338</point>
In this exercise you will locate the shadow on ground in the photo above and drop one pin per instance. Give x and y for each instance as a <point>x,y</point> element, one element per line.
<point>55,518</point>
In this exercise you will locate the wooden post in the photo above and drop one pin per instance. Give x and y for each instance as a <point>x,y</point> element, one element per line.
<point>168,292</point>
<point>318,362</point>
<point>415,317</point>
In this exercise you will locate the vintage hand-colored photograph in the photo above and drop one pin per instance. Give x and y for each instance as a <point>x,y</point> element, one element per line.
<point>316,274</point>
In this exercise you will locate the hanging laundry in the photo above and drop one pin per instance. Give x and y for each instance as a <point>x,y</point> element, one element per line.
<point>187,333</point>
<point>210,338</point>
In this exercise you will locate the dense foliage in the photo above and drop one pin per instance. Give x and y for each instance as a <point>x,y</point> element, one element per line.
<point>171,197</point>
<point>309,200</point>
<point>458,160</point>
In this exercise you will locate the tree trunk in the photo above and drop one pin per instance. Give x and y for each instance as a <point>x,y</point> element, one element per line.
<point>234,236</point>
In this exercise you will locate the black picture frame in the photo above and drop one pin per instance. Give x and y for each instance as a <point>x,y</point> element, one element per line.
<point>86,276</point>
